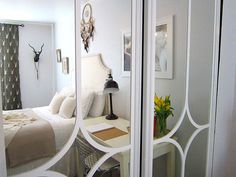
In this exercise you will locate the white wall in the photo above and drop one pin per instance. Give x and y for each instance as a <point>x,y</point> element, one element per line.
<point>35,93</point>
<point>225,142</point>
<point>25,10</point>
<point>65,40</point>
<point>111,19</point>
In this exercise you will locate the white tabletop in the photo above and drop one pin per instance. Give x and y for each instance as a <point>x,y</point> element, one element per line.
<point>119,123</point>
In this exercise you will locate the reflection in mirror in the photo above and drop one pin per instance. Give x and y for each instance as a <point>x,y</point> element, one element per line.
<point>165,161</point>
<point>201,57</point>
<point>170,55</point>
<point>106,70</point>
<point>38,86</point>
<point>117,165</point>
<point>106,67</point>
<point>198,88</point>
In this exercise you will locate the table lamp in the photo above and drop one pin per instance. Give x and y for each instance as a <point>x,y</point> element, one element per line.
<point>110,87</point>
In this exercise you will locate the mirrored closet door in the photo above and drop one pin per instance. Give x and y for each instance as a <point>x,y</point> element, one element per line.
<point>180,72</point>
<point>38,86</point>
<point>70,110</point>
<point>94,88</point>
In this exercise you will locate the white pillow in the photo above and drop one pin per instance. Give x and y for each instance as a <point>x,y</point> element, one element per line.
<point>86,101</point>
<point>67,107</point>
<point>55,104</point>
<point>98,105</point>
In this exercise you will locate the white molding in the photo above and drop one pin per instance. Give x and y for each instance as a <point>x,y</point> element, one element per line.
<point>148,86</point>
<point>214,85</point>
<point>136,84</point>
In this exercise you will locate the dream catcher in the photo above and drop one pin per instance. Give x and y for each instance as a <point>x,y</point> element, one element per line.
<point>87,26</point>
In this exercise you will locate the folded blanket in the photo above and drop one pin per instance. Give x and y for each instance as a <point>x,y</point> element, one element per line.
<point>29,137</point>
<point>12,122</point>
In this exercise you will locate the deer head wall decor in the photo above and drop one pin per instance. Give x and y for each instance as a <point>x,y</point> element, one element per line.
<point>36,58</point>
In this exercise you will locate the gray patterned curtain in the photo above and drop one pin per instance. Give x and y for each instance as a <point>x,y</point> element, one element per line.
<point>9,67</point>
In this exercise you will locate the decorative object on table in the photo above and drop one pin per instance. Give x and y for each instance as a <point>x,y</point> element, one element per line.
<point>87,26</point>
<point>164,48</point>
<point>36,58</point>
<point>110,87</point>
<point>65,65</point>
<point>162,110</point>
<point>126,54</point>
<point>58,53</point>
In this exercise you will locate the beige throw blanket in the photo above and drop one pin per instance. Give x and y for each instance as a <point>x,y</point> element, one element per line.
<point>27,137</point>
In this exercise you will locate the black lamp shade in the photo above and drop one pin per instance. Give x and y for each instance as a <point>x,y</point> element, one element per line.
<point>111,86</point>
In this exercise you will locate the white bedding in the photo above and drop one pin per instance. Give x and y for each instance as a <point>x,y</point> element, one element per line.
<point>62,127</point>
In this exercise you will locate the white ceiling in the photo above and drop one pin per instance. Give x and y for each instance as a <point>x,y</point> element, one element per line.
<point>31,10</point>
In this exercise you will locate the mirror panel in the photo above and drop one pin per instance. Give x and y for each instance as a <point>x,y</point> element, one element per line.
<point>189,89</point>
<point>201,62</point>
<point>171,82</point>
<point>106,63</point>
<point>38,81</point>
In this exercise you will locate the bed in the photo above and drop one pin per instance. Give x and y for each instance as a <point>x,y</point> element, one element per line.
<point>93,69</point>
<point>35,138</point>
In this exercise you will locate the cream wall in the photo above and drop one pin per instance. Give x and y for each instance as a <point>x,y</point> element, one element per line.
<point>111,19</point>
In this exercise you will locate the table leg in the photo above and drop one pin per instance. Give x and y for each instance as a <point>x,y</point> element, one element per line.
<point>171,162</point>
<point>124,166</point>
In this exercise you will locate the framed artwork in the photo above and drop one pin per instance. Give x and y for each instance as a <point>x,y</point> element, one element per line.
<point>65,65</point>
<point>164,48</point>
<point>126,54</point>
<point>58,53</point>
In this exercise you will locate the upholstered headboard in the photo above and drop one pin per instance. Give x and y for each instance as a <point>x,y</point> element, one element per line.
<point>94,72</point>
<point>94,75</point>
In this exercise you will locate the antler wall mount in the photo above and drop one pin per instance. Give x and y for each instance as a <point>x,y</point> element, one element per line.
<point>36,58</point>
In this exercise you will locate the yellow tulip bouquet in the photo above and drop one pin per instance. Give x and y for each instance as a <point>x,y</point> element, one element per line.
<point>162,110</point>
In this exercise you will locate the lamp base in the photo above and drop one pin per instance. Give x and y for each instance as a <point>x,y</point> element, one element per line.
<point>111,117</point>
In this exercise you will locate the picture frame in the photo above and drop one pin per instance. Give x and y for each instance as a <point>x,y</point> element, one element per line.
<point>164,48</point>
<point>65,65</point>
<point>58,54</point>
<point>126,54</point>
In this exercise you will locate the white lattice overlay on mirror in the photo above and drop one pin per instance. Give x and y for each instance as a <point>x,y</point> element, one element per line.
<point>186,113</point>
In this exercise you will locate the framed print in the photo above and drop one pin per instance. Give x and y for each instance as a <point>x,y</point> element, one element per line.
<point>126,54</point>
<point>58,53</point>
<point>164,48</point>
<point>65,65</point>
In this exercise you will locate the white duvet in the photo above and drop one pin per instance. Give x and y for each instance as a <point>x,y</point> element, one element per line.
<point>62,127</point>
